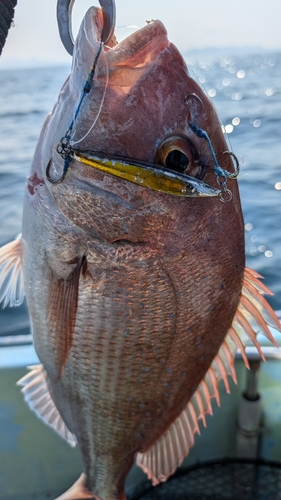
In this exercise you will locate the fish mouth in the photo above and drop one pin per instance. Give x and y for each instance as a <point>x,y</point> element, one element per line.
<point>142,47</point>
<point>138,50</point>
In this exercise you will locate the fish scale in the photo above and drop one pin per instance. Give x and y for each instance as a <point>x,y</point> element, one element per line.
<point>100,425</point>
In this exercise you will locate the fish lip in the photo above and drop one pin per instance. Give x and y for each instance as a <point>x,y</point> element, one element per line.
<point>139,50</point>
<point>86,47</point>
<point>150,40</point>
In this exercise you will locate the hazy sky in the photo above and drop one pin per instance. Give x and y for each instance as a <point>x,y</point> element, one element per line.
<point>190,23</point>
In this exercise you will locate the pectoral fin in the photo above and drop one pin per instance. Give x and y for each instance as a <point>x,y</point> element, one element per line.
<point>62,307</point>
<point>37,395</point>
<point>11,276</point>
<point>252,317</point>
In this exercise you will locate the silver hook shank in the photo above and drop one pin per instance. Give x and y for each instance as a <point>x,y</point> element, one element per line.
<point>64,12</point>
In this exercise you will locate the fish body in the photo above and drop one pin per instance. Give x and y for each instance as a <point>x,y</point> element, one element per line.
<point>131,291</point>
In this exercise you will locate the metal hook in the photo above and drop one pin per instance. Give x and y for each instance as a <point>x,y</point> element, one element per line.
<point>50,179</point>
<point>237,168</point>
<point>193,96</point>
<point>64,11</point>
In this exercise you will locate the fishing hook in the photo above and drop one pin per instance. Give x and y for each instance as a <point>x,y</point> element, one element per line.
<point>193,96</point>
<point>50,179</point>
<point>219,171</point>
<point>235,174</point>
<point>237,167</point>
<point>64,11</point>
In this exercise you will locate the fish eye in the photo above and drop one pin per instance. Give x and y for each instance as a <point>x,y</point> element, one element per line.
<point>175,153</point>
<point>177,160</point>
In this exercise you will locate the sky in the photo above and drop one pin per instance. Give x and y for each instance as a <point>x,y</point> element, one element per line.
<point>191,24</point>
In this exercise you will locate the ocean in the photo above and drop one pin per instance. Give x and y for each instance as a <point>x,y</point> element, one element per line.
<point>246,91</point>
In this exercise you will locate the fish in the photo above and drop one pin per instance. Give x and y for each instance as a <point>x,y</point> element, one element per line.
<point>132,261</point>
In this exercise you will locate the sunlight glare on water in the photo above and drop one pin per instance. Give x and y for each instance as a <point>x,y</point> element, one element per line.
<point>241,73</point>
<point>236,121</point>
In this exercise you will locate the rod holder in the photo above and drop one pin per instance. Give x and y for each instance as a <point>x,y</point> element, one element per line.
<point>249,414</point>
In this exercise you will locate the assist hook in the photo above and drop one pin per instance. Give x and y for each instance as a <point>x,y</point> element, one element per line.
<point>64,11</point>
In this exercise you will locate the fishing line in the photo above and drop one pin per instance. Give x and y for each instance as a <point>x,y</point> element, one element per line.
<point>221,174</point>
<point>202,86</point>
<point>86,90</point>
<point>202,134</point>
<point>99,111</point>
<point>64,148</point>
<point>131,26</point>
<point>219,171</point>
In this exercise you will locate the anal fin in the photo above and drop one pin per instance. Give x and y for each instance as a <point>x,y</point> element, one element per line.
<point>37,395</point>
<point>11,276</point>
<point>252,317</point>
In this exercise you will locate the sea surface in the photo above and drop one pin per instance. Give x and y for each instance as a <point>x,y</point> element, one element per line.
<point>247,94</point>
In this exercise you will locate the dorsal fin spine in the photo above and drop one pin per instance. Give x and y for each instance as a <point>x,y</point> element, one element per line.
<point>230,360</point>
<point>240,322</point>
<point>194,420</point>
<point>239,346</point>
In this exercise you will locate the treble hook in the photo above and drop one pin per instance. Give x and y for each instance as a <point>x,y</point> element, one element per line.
<point>64,11</point>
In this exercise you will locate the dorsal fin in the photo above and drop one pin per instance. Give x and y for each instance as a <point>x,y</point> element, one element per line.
<point>11,276</point>
<point>37,395</point>
<point>252,317</point>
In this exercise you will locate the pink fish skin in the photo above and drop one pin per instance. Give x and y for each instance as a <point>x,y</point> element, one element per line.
<point>131,291</point>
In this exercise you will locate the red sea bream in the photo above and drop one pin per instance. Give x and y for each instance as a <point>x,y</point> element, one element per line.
<point>138,296</point>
